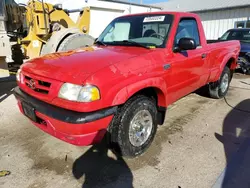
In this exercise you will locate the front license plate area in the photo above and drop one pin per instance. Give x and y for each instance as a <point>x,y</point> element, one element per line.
<point>29,111</point>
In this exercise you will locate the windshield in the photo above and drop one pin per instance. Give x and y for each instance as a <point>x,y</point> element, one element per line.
<point>146,30</point>
<point>242,35</point>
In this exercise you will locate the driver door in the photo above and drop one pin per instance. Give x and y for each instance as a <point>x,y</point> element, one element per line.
<point>188,65</point>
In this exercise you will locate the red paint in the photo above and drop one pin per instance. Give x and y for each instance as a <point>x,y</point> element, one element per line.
<point>76,134</point>
<point>119,72</point>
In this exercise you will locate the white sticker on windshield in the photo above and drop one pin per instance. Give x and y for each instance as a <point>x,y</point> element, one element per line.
<point>154,19</point>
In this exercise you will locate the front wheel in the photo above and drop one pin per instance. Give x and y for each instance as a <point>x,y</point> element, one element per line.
<point>220,88</point>
<point>134,126</point>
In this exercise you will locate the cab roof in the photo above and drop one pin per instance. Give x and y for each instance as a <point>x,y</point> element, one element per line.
<point>178,14</point>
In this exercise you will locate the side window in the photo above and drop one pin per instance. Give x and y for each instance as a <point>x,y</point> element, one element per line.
<point>240,24</point>
<point>187,28</point>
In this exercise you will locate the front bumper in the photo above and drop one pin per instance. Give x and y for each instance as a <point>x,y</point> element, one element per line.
<point>77,128</point>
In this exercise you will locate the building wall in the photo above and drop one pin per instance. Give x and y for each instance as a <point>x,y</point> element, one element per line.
<point>102,13</point>
<point>216,23</point>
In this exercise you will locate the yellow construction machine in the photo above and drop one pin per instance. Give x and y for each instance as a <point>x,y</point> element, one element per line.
<point>42,28</point>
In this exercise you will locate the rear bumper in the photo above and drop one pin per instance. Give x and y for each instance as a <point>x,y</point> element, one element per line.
<point>76,128</point>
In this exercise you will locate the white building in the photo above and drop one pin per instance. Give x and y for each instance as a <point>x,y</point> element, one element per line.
<point>102,12</point>
<point>217,15</point>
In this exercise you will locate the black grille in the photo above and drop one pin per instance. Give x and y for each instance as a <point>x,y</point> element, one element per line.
<point>40,85</point>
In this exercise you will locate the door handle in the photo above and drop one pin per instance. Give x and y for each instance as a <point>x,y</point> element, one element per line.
<point>203,56</point>
<point>166,66</point>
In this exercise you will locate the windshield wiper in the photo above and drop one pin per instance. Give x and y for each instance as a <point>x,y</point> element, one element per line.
<point>134,43</point>
<point>100,42</point>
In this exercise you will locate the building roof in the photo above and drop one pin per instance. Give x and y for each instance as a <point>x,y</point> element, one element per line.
<point>201,5</point>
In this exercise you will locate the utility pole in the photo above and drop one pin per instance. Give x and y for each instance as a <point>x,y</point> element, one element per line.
<point>141,1</point>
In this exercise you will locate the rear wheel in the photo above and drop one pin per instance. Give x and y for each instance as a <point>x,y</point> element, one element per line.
<point>133,128</point>
<point>75,41</point>
<point>220,88</point>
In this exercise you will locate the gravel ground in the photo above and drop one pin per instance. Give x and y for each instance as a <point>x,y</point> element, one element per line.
<point>200,138</point>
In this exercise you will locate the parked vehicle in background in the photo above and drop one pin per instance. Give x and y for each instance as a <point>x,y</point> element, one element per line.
<point>243,35</point>
<point>140,65</point>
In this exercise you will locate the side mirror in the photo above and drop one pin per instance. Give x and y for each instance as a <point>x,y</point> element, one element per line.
<point>58,6</point>
<point>187,44</point>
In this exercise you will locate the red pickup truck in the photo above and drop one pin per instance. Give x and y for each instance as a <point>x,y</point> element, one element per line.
<point>123,84</point>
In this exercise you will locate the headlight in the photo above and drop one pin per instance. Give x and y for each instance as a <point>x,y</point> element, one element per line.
<point>79,93</point>
<point>18,75</point>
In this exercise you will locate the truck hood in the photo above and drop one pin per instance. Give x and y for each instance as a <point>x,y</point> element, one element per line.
<point>75,66</point>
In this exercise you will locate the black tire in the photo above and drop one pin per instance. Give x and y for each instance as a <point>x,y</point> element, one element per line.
<point>74,41</point>
<point>245,66</point>
<point>119,128</point>
<point>215,90</point>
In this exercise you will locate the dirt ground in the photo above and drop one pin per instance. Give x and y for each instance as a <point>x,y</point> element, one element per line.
<point>204,143</point>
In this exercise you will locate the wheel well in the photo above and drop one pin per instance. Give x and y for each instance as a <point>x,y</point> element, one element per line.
<point>149,92</point>
<point>229,65</point>
<point>159,98</point>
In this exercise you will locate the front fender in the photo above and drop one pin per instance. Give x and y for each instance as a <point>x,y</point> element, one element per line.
<point>127,92</point>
